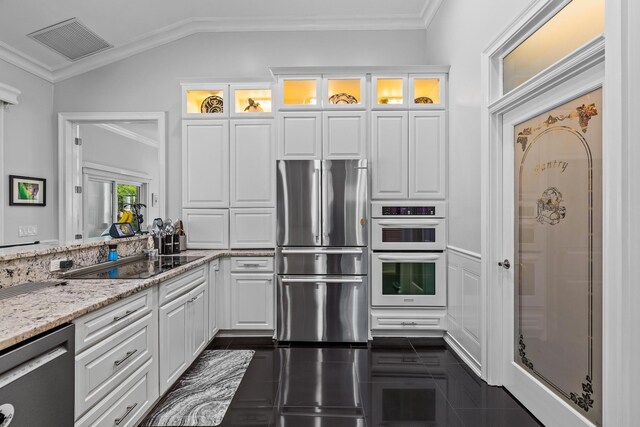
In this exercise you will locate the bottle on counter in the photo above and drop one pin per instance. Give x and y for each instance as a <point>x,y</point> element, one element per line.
<point>113,253</point>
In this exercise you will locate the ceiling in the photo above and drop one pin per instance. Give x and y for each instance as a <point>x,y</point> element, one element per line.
<point>134,26</point>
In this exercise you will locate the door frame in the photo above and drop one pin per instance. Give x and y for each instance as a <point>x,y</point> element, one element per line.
<point>618,384</point>
<point>70,166</point>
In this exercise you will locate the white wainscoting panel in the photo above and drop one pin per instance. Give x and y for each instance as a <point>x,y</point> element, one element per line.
<point>464,314</point>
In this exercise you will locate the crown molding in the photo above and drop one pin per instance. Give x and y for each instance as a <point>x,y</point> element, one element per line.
<point>25,62</point>
<point>9,94</point>
<point>429,11</point>
<point>192,26</point>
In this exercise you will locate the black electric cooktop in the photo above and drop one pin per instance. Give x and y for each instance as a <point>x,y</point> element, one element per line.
<point>137,269</point>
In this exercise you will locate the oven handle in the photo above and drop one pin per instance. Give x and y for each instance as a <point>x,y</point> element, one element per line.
<point>408,224</point>
<point>409,258</point>
<point>314,280</point>
<point>321,251</point>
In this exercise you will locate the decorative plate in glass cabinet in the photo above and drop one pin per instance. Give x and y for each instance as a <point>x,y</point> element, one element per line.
<point>344,93</point>
<point>426,92</point>
<point>205,101</point>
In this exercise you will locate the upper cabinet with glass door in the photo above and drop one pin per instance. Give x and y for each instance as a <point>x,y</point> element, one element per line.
<point>300,93</point>
<point>344,93</point>
<point>427,92</point>
<point>389,92</point>
<point>205,101</point>
<point>251,100</point>
<point>408,91</point>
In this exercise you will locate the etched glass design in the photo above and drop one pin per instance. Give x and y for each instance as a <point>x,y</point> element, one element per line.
<point>558,249</point>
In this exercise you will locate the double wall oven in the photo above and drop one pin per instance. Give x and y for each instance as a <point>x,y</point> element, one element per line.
<point>409,258</point>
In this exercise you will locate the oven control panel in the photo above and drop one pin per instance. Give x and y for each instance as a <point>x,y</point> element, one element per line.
<point>408,210</point>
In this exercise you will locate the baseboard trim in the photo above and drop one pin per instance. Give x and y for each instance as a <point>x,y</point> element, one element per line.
<point>463,354</point>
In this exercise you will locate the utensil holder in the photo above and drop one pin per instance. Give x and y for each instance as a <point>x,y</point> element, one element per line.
<point>158,243</point>
<point>168,244</point>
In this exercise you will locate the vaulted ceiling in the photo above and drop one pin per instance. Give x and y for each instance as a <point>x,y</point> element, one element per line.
<point>135,26</point>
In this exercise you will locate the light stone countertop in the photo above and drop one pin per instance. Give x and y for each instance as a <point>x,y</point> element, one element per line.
<point>30,314</point>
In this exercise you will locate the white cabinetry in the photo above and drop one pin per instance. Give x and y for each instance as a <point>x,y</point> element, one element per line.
<point>207,228</point>
<point>116,363</point>
<point>253,182</point>
<point>214,285</point>
<point>389,155</point>
<point>427,155</point>
<point>252,228</point>
<point>408,155</point>
<point>300,135</point>
<point>252,293</point>
<point>205,164</point>
<point>344,134</point>
<point>183,324</point>
<point>252,301</point>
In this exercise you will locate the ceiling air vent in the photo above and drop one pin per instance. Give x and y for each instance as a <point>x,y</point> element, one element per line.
<point>71,39</point>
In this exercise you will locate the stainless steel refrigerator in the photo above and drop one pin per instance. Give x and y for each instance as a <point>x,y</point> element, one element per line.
<point>321,259</point>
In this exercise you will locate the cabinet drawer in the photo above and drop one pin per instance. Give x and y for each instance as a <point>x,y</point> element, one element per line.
<point>127,404</point>
<point>433,321</point>
<point>247,264</point>
<point>100,369</point>
<point>184,283</point>
<point>105,322</point>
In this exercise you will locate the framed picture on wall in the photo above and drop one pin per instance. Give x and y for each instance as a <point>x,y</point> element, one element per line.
<point>27,191</point>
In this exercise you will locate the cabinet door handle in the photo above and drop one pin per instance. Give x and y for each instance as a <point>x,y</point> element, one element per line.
<point>118,421</point>
<point>126,314</point>
<point>128,355</point>
<point>249,265</point>
<point>409,323</point>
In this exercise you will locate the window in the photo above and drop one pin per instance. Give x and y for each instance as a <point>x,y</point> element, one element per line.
<point>110,199</point>
<point>576,24</point>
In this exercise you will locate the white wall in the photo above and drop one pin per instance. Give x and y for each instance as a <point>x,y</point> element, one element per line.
<point>151,81</point>
<point>30,148</point>
<point>458,34</point>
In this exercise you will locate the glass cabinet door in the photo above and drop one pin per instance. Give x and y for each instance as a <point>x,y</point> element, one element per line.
<point>344,92</point>
<point>251,100</point>
<point>204,101</point>
<point>300,92</point>
<point>389,92</point>
<point>427,92</point>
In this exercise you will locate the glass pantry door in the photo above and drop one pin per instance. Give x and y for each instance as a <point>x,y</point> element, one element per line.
<point>557,275</point>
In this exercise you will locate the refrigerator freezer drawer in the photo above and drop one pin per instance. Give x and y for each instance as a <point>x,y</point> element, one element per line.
<point>336,261</point>
<point>322,308</point>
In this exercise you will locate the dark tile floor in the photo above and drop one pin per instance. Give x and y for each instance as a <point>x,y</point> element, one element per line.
<point>390,382</point>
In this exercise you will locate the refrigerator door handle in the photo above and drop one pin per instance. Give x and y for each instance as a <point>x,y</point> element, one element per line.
<point>318,185</point>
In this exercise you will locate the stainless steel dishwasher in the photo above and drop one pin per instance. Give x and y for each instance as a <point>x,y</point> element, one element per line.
<point>37,380</point>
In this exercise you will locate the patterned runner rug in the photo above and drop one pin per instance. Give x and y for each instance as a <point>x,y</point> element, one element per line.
<point>203,393</point>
